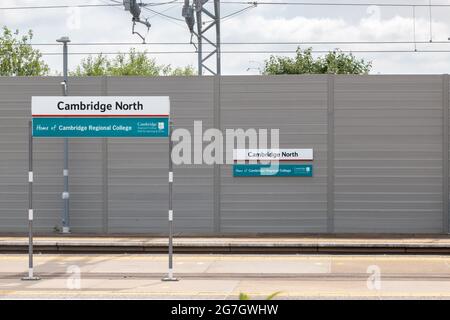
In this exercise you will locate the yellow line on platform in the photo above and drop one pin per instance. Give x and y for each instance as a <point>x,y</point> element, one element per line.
<point>12,293</point>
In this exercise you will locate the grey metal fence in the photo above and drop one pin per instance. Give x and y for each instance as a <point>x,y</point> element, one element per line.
<point>381,146</point>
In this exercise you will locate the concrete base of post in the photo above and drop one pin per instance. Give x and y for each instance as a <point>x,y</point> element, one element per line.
<point>169,279</point>
<point>169,276</point>
<point>65,230</point>
<point>30,278</point>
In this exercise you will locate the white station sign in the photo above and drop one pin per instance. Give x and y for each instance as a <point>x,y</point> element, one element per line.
<point>100,117</point>
<point>273,155</point>
<point>100,106</point>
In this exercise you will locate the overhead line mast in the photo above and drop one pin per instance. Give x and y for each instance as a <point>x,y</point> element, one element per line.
<point>201,32</point>
<point>193,13</point>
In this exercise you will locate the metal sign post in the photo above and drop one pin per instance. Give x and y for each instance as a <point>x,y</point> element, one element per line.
<point>65,194</point>
<point>170,276</point>
<point>30,206</point>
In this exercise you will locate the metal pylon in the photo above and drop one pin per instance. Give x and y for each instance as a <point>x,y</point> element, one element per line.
<point>205,21</point>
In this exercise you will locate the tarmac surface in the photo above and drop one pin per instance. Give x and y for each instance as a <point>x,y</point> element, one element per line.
<point>207,276</point>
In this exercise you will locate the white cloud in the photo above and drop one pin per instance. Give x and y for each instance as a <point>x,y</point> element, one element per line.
<point>373,28</point>
<point>264,24</point>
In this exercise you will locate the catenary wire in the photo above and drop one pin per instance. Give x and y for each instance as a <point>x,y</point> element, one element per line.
<point>236,43</point>
<point>330,4</point>
<point>249,52</point>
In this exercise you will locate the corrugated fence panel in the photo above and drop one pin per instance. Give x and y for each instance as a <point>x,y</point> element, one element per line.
<point>138,168</point>
<point>85,179</point>
<point>85,169</point>
<point>297,106</point>
<point>388,154</point>
<point>388,159</point>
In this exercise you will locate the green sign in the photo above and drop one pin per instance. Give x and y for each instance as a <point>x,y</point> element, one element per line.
<point>73,127</point>
<point>267,170</point>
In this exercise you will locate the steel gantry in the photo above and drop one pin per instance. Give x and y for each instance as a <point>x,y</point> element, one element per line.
<point>200,20</point>
<point>194,13</point>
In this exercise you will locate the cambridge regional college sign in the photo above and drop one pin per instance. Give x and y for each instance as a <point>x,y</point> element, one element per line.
<point>100,117</point>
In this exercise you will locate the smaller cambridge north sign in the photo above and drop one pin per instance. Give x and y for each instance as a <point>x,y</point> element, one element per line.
<point>100,117</point>
<point>273,169</point>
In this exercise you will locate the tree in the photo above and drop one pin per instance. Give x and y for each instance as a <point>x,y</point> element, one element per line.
<point>18,58</point>
<point>335,62</point>
<point>131,64</point>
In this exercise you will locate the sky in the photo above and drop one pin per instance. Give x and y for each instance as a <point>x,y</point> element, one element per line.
<point>264,23</point>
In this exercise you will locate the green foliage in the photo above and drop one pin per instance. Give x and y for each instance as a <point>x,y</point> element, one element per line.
<point>186,71</point>
<point>335,62</point>
<point>18,58</point>
<point>273,295</point>
<point>244,296</point>
<point>92,66</point>
<point>131,64</point>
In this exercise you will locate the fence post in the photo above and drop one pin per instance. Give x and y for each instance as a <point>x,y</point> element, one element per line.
<point>217,166</point>
<point>105,151</point>
<point>445,152</point>
<point>330,154</point>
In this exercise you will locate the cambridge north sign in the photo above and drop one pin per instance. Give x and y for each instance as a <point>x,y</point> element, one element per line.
<point>100,117</point>
<point>273,155</point>
<point>273,168</point>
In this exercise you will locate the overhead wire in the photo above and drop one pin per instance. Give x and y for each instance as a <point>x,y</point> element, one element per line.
<point>338,4</point>
<point>238,43</point>
<point>238,12</point>
<point>251,4</point>
<point>59,6</point>
<point>249,52</point>
<point>354,4</point>
<point>162,14</point>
